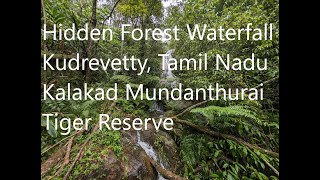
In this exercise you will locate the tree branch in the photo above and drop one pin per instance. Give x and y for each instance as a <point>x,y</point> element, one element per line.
<point>60,141</point>
<point>110,14</point>
<point>225,136</point>
<point>66,157</point>
<point>272,168</point>
<point>164,172</point>
<point>204,102</point>
<point>66,176</point>
<point>218,134</point>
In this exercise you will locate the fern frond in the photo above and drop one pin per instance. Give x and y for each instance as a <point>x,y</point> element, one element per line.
<point>211,112</point>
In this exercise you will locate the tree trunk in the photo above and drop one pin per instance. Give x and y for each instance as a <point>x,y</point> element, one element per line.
<point>44,22</point>
<point>90,47</point>
<point>164,172</point>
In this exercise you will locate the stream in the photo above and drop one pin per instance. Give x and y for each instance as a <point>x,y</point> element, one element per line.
<point>151,153</point>
<point>165,79</point>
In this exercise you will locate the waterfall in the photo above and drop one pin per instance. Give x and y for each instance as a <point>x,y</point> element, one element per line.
<point>157,108</point>
<point>167,77</point>
<point>151,153</point>
<point>167,73</point>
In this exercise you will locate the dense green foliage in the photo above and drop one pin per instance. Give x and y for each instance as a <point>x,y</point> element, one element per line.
<point>255,122</point>
<point>203,156</point>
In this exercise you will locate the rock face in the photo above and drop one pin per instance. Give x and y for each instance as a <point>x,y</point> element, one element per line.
<point>165,147</point>
<point>135,164</point>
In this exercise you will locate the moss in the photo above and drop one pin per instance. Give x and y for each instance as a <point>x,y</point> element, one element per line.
<point>92,161</point>
<point>158,144</point>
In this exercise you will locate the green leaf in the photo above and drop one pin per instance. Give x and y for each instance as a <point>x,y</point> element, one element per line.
<point>230,177</point>
<point>215,175</point>
<point>86,113</point>
<point>43,121</point>
<point>216,154</point>
<point>52,131</point>
<point>225,165</point>
<point>245,151</point>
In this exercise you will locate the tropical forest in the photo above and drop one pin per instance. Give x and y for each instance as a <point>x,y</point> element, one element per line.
<point>158,70</point>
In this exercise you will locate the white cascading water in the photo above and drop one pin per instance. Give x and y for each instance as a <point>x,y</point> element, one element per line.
<point>156,107</point>
<point>165,76</point>
<point>150,152</point>
<point>167,73</point>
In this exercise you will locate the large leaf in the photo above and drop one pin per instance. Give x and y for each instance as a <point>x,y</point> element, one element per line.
<point>52,131</point>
